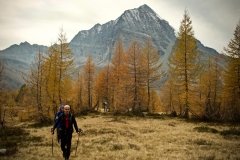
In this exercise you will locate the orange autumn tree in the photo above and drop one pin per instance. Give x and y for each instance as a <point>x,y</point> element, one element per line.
<point>210,86</point>
<point>152,70</point>
<point>102,87</point>
<point>88,74</point>
<point>119,80</point>
<point>183,64</point>
<point>78,92</point>
<point>58,66</point>
<point>135,73</point>
<point>232,78</point>
<point>35,82</point>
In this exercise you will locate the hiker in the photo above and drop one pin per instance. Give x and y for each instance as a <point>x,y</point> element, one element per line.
<point>105,105</point>
<point>66,122</point>
<point>57,115</point>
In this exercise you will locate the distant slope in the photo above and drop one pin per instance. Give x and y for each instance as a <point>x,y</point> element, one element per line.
<point>17,60</point>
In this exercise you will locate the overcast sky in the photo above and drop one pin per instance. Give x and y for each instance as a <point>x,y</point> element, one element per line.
<point>39,21</point>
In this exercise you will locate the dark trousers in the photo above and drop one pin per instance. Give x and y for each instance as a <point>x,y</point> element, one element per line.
<point>66,139</point>
<point>58,135</point>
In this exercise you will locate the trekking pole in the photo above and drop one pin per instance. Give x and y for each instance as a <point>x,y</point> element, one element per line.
<point>52,144</point>
<point>77,144</point>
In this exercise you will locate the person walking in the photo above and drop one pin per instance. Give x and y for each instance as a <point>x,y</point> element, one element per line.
<point>57,116</point>
<point>66,123</point>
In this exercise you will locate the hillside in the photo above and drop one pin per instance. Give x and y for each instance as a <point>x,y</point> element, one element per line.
<point>112,137</point>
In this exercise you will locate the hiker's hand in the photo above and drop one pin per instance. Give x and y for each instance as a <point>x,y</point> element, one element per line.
<point>52,131</point>
<point>79,131</point>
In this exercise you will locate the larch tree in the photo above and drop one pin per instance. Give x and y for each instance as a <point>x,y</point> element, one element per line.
<point>51,78</point>
<point>65,65</point>
<point>210,87</point>
<point>168,94</point>
<point>232,76</point>
<point>1,72</point>
<point>79,91</point>
<point>89,73</point>
<point>1,87</point>
<point>59,67</point>
<point>135,73</point>
<point>101,87</point>
<point>152,69</point>
<point>36,81</point>
<point>183,62</point>
<point>118,79</point>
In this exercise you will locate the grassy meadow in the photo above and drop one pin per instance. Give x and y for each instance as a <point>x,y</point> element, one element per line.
<point>131,138</point>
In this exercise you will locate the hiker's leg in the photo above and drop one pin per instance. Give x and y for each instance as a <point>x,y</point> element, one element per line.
<point>69,140</point>
<point>63,144</point>
<point>58,135</point>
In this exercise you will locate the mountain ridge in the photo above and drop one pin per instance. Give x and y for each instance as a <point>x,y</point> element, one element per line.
<point>136,24</point>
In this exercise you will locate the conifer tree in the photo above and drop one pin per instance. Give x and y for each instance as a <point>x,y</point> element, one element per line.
<point>119,78</point>
<point>101,87</point>
<point>59,66</point>
<point>1,88</point>
<point>88,72</point>
<point>183,62</point>
<point>232,76</point>
<point>135,72</point>
<point>51,76</point>
<point>65,65</point>
<point>36,81</point>
<point>79,92</point>
<point>152,68</point>
<point>210,88</point>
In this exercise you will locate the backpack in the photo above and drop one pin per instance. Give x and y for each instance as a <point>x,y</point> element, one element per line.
<point>57,116</point>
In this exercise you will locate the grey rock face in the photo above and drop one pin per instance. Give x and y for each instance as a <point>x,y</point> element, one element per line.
<point>133,25</point>
<point>17,60</point>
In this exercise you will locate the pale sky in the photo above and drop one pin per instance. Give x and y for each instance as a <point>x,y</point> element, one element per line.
<point>39,21</point>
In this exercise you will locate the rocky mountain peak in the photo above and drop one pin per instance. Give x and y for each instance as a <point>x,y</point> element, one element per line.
<point>25,44</point>
<point>138,24</point>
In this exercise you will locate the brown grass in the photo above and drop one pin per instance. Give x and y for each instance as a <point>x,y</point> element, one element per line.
<point>132,138</point>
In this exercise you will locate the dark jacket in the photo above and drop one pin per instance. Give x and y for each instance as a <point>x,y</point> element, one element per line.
<point>57,116</point>
<point>62,125</point>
